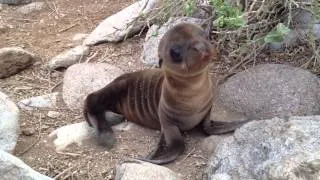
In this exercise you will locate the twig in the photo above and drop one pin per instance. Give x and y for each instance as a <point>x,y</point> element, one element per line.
<point>63,172</point>
<point>69,154</point>
<point>91,57</point>
<point>56,85</point>
<point>135,20</point>
<point>245,59</point>
<point>188,155</point>
<point>69,27</point>
<point>35,142</point>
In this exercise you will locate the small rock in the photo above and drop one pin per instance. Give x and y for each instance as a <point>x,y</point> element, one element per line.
<point>65,136</point>
<point>82,79</point>
<point>210,143</point>
<point>69,57</point>
<point>44,127</point>
<point>126,126</point>
<point>15,2</point>
<point>303,19</point>
<point>29,8</point>
<point>3,28</point>
<point>271,90</point>
<point>28,131</point>
<point>144,171</point>
<point>13,168</point>
<point>117,26</point>
<point>149,55</point>
<point>270,149</point>
<point>53,114</point>
<point>1,7</point>
<point>79,37</point>
<point>45,101</point>
<point>13,60</point>
<point>9,123</point>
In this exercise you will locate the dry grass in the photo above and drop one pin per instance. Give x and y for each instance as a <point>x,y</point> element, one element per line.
<point>244,47</point>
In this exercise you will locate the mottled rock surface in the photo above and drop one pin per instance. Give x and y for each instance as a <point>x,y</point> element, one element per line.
<point>117,26</point>
<point>138,170</point>
<point>69,57</point>
<point>29,8</point>
<point>44,101</point>
<point>270,149</point>
<point>15,2</point>
<point>82,79</point>
<point>13,60</point>
<point>271,90</point>
<point>65,135</point>
<point>9,123</point>
<point>14,169</point>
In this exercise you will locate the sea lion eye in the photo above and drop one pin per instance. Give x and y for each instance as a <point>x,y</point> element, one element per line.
<point>176,54</point>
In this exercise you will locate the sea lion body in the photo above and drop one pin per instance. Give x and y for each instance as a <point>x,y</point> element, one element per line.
<point>139,94</point>
<point>175,98</point>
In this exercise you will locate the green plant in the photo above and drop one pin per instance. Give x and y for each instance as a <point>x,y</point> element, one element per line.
<point>190,7</point>
<point>278,34</point>
<point>228,16</point>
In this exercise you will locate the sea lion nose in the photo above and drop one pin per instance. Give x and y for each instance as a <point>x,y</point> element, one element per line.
<point>176,54</point>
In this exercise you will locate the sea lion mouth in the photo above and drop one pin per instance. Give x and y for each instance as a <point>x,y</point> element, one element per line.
<point>187,74</point>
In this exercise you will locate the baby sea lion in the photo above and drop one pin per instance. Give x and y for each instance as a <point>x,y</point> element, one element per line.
<point>177,97</point>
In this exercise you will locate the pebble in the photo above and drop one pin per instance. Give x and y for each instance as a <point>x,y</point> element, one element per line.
<point>53,114</point>
<point>28,132</point>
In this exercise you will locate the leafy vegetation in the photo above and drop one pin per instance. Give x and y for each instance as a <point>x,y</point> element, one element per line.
<point>228,16</point>
<point>278,34</point>
<point>190,7</point>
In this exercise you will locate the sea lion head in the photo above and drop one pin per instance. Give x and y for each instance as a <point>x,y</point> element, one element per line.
<point>185,50</point>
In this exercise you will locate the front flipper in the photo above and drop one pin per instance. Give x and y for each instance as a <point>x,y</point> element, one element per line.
<point>170,146</point>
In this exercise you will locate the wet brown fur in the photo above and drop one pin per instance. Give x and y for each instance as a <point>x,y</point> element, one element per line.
<point>175,98</point>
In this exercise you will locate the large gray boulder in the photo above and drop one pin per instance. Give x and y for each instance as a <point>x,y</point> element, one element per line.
<point>138,170</point>
<point>14,169</point>
<point>116,27</point>
<point>269,149</point>
<point>82,79</point>
<point>9,123</point>
<point>267,91</point>
<point>149,55</point>
<point>13,60</point>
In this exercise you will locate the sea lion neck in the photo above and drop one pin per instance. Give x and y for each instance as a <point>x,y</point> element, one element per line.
<point>180,82</point>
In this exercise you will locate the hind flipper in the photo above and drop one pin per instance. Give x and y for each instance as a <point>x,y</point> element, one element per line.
<point>222,119</point>
<point>100,109</point>
<point>220,127</point>
<point>114,118</point>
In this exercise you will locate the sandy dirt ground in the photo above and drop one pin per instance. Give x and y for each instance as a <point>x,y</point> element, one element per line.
<point>47,33</point>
